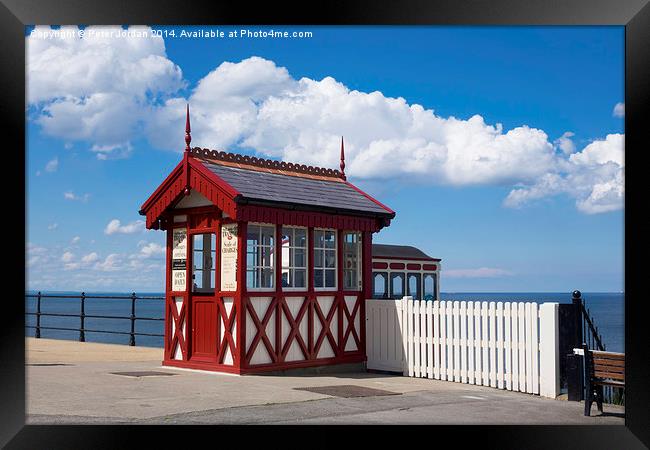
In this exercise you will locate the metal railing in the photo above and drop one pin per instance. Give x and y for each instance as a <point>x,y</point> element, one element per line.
<point>83,316</point>
<point>592,338</point>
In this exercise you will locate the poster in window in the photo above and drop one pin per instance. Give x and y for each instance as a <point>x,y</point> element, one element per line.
<point>229,257</point>
<point>179,259</point>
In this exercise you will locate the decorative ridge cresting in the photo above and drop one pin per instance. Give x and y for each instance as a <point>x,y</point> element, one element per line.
<point>263,163</point>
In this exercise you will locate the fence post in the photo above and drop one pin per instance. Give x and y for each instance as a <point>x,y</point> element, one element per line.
<point>132,339</point>
<point>82,316</point>
<point>574,362</point>
<point>549,355</point>
<point>38,315</point>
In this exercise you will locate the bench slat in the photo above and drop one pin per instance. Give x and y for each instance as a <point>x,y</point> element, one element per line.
<point>603,368</point>
<point>608,355</point>
<point>614,376</point>
<point>609,362</point>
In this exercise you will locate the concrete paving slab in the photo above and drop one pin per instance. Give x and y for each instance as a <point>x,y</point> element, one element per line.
<point>83,390</point>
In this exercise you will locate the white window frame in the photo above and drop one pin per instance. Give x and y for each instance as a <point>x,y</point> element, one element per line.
<point>292,248</point>
<point>336,261</point>
<point>257,267</point>
<point>358,248</point>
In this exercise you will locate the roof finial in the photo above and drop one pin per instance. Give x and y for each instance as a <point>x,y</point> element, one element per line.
<point>342,160</point>
<point>188,137</point>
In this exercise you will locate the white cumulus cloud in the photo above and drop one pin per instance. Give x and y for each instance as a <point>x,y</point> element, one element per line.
<point>52,165</point>
<point>67,257</point>
<point>619,110</point>
<point>69,195</point>
<point>594,177</point>
<point>129,85</point>
<point>115,226</point>
<point>96,87</point>
<point>90,258</point>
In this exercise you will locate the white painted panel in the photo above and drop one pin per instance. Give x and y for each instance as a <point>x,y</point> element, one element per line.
<point>261,305</point>
<point>416,338</point>
<point>470,343</point>
<point>443,340</point>
<point>325,303</point>
<point>492,344</point>
<point>423,338</point>
<point>534,314</point>
<point>549,357</point>
<point>521,317</point>
<point>193,200</point>
<point>404,327</point>
<point>514,318</point>
<point>529,349</point>
<point>429,343</point>
<point>294,304</point>
<point>409,317</point>
<point>499,346</point>
<point>436,339</point>
<point>485,362</point>
<point>456,340</point>
<point>507,345</point>
<point>463,342</point>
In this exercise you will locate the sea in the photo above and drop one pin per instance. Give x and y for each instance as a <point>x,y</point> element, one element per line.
<point>606,308</point>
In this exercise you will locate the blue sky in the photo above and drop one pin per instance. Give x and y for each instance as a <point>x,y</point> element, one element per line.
<point>533,204</point>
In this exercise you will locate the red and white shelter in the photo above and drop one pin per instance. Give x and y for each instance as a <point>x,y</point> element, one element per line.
<point>399,270</point>
<point>268,262</point>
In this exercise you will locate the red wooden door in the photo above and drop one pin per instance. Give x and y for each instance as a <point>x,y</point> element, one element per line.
<point>204,328</point>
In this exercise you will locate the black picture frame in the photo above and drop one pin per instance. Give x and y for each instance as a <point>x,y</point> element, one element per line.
<point>633,14</point>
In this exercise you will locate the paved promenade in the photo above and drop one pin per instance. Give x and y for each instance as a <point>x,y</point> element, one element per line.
<point>70,382</point>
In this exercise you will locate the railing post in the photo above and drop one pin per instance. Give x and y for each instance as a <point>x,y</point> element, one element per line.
<point>132,339</point>
<point>82,316</point>
<point>38,315</point>
<point>577,305</point>
<point>575,376</point>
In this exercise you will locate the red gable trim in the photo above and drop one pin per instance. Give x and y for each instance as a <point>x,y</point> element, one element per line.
<point>200,179</point>
<point>369,197</point>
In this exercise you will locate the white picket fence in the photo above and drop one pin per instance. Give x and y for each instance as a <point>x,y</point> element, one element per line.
<point>504,345</point>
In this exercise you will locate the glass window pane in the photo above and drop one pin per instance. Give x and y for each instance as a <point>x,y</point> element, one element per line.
<point>330,258</point>
<point>414,286</point>
<point>380,284</point>
<point>198,241</point>
<point>300,278</point>
<point>319,239</point>
<point>318,258</point>
<point>253,234</point>
<point>251,279</point>
<point>250,259</point>
<point>318,278</point>
<point>429,286</point>
<point>267,278</point>
<point>397,285</point>
<point>267,235</point>
<point>330,239</point>
<point>300,239</point>
<point>330,278</point>
<point>299,259</point>
<point>197,260</point>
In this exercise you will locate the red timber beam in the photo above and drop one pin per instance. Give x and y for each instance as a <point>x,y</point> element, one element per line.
<point>265,214</point>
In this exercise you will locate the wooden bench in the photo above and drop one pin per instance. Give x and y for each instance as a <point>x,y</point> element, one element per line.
<point>601,369</point>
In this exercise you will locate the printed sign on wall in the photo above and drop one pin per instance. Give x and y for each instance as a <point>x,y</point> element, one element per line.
<point>179,259</point>
<point>229,257</point>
